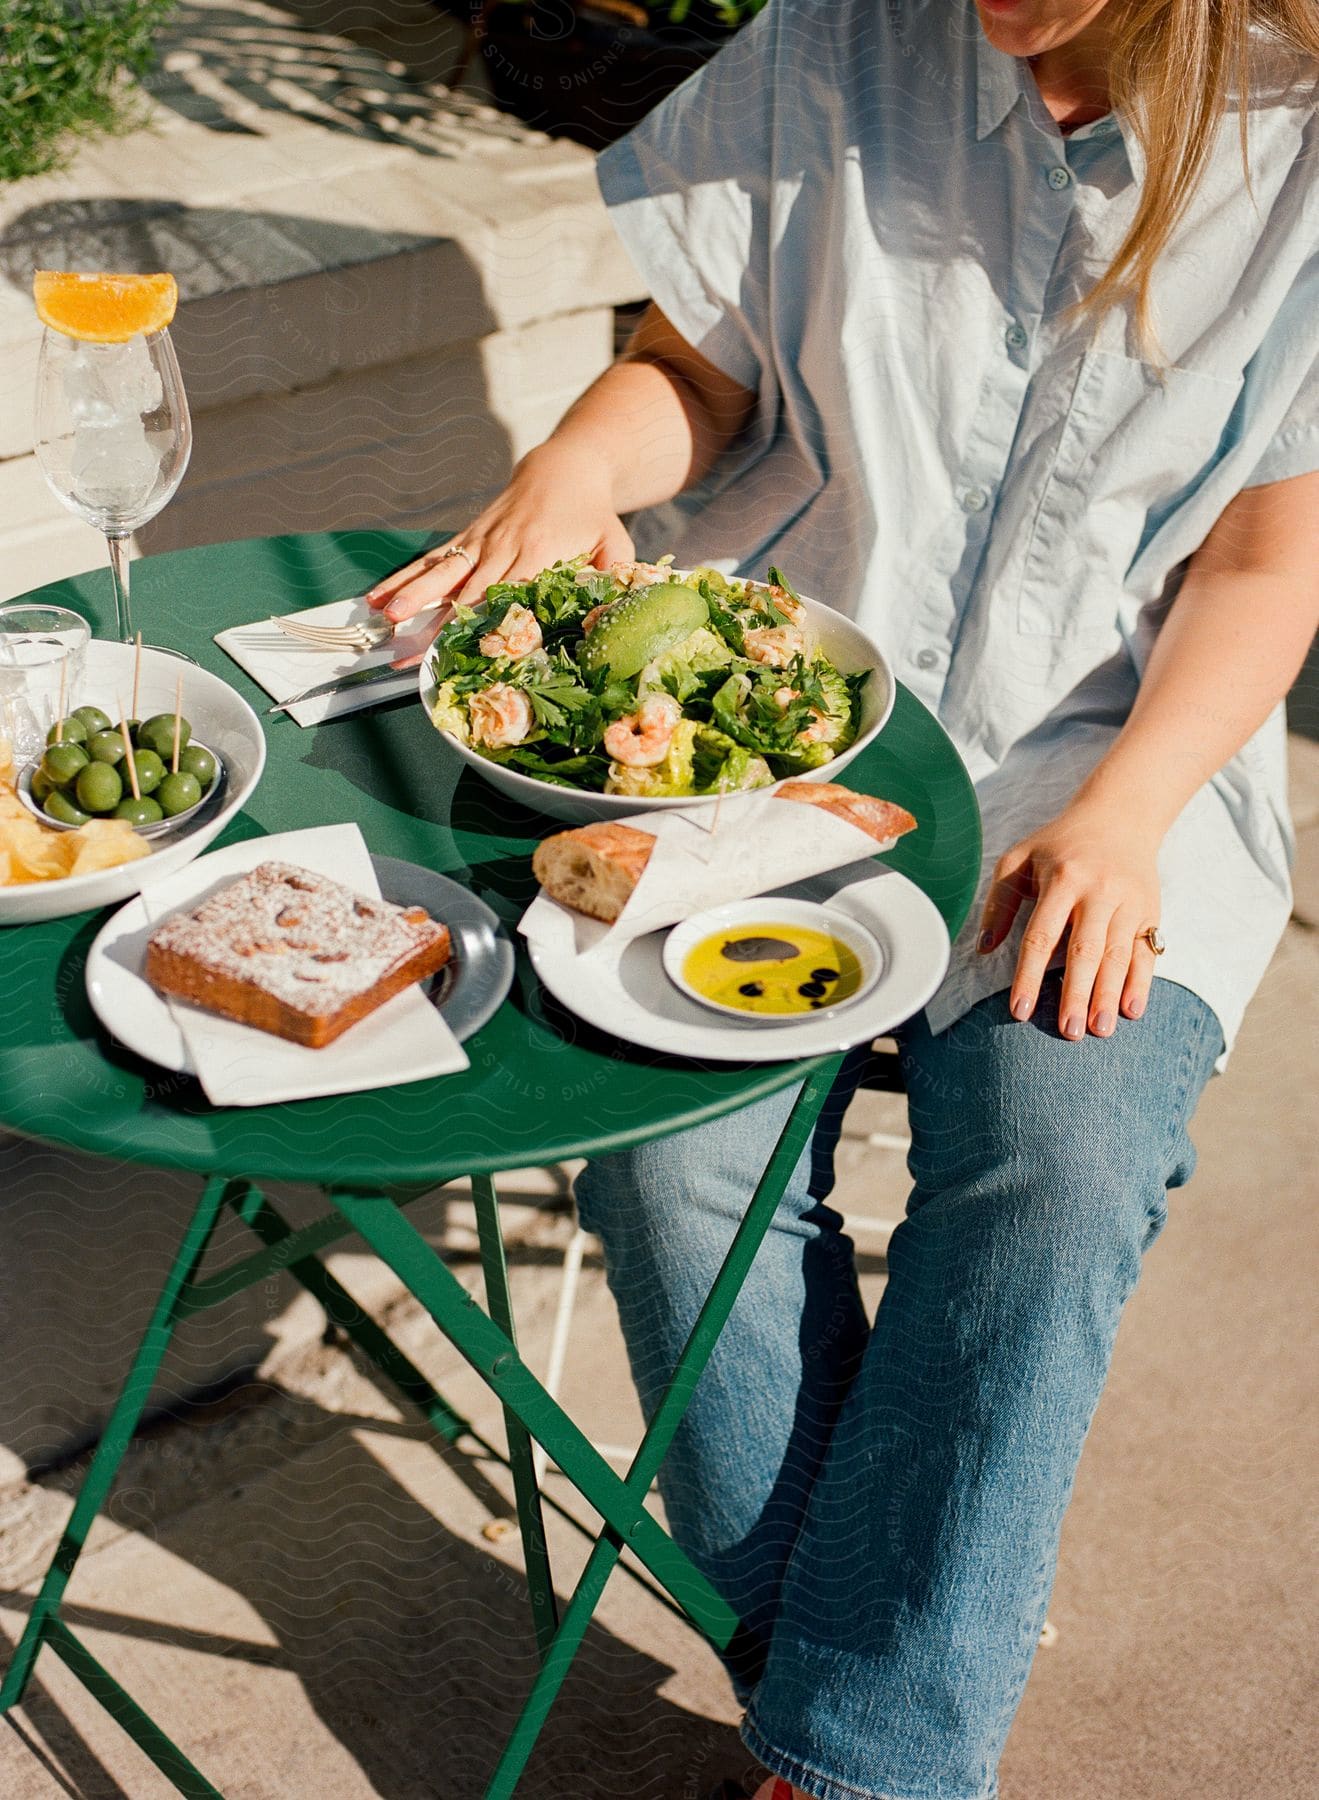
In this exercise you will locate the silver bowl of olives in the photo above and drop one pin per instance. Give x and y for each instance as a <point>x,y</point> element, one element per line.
<point>92,767</point>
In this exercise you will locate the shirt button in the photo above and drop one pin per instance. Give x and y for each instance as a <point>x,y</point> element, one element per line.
<point>1060,178</point>
<point>927,659</point>
<point>1016,338</point>
<point>975,500</point>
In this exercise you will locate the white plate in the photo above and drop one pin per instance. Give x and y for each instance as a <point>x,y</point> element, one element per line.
<point>468,990</point>
<point>627,992</point>
<point>219,717</point>
<point>844,643</point>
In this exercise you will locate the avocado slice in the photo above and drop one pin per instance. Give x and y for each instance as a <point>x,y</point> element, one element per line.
<point>641,627</point>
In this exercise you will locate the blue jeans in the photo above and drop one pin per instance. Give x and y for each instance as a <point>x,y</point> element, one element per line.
<point>882,1503</point>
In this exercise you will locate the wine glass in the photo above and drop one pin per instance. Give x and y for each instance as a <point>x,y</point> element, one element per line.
<point>113,437</point>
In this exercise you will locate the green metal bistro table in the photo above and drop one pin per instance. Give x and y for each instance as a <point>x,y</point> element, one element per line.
<point>542,1087</point>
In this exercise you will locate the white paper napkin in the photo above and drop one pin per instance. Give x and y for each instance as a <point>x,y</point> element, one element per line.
<point>748,845</point>
<point>283,666</point>
<point>403,1040</point>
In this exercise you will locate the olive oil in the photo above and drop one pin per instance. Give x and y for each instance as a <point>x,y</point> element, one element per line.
<point>773,968</point>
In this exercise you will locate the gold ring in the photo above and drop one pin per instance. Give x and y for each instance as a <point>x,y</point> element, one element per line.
<point>1154,938</point>
<point>458,550</point>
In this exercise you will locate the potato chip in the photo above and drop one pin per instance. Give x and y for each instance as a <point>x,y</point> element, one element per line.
<point>30,851</point>
<point>104,844</point>
<point>37,851</point>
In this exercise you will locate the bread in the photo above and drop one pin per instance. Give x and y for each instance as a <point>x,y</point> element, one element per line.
<point>879,819</point>
<point>594,868</point>
<point>293,953</point>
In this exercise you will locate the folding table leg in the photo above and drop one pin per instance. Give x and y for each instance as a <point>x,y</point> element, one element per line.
<point>531,1520</point>
<point>668,1415</point>
<point>257,1212</point>
<point>475,1335</point>
<point>116,1437</point>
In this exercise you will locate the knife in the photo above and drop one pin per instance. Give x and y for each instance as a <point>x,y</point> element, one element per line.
<point>357,678</point>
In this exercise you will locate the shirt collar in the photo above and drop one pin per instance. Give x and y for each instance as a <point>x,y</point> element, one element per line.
<point>998,84</point>
<point>1001,81</point>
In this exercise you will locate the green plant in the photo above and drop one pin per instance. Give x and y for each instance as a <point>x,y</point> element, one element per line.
<point>728,14</point>
<point>63,70</point>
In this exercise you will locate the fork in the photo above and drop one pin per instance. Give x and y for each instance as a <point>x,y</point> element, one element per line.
<point>368,634</point>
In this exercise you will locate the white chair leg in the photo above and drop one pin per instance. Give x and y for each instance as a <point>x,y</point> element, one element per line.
<point>572,1269</point>
<point>889,1140</point>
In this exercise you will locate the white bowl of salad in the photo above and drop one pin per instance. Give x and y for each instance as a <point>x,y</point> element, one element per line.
<point>590,694</point>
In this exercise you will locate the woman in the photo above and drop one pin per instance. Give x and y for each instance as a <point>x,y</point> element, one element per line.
<point>970,318</point>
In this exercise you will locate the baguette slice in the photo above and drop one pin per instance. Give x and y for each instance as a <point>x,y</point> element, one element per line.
<point>594,868</point>
<point>879,819</point>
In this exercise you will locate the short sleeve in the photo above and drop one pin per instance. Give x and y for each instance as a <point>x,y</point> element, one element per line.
<point>688,192</point>
<point>1282,387</point>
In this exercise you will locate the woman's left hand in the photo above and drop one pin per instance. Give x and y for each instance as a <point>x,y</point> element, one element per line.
<point>1093,869</point>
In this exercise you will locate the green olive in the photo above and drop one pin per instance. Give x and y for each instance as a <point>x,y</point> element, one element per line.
<point>67,731</point>
<point>41,785</point>
<point>150,770</point>
<point>99,788</point>
<point>157,733</point>
<point>62,762</point>
<point>106,746</point>
<point>93,719</point>
<point>177,793</point>
<point>197,760</point>
<point>59,806</point>
<point>139,812</point>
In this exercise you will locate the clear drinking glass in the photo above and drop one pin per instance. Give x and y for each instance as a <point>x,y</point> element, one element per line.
<point>113,437</point>
<point>42,653</point>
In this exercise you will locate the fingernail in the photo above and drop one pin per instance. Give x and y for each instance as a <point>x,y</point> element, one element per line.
<point>1072,1027</point>
<point>1135,1009</point>
<point>986,941</point>
<point>1104,1023</point>
<point>1021,1007</point>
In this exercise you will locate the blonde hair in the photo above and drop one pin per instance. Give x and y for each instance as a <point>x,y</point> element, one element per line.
<point>1175,66</point>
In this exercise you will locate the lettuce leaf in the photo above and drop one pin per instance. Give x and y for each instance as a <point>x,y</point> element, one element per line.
<point>449,714</point>
<point>721,766</point>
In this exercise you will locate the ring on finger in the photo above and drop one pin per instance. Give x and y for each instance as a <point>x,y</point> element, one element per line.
<point>458,550</point>
<point>1153,937</point>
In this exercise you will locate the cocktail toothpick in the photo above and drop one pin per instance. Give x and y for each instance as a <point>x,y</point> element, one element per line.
<point>178,715</point>
<point>137,670</point>
<point>128,750</point>
<point>59,723</point>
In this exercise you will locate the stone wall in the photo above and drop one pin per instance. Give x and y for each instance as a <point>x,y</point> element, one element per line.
<point>389,289</point>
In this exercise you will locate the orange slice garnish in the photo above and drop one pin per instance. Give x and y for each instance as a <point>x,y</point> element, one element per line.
<point>104,309</point>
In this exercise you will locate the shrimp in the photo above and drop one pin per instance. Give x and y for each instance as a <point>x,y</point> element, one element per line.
<point>517,634</point>
<point>595,615</point>
<point>640,574</point>
<point>820,724</point>
<point>641,739</point>
<point>774,645</point>
<point>500,715</point>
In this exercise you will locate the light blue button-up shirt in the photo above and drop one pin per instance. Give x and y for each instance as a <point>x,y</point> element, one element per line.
<point>865,214</point>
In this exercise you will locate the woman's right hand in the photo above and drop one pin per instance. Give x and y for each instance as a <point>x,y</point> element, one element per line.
<point>557,505</point>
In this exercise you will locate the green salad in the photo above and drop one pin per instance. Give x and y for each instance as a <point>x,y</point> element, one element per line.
<point>634,680</point>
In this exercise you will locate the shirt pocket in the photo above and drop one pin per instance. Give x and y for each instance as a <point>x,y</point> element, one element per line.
<point>1134,443</point>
